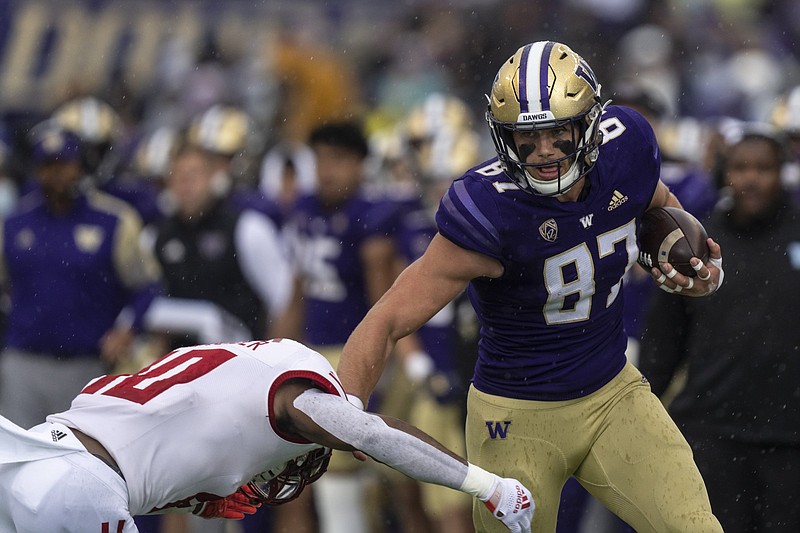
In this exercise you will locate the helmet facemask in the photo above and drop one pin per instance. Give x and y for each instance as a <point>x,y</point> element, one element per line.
<point>581,150</point>
<point>546,85</point>
<point>271,489</point>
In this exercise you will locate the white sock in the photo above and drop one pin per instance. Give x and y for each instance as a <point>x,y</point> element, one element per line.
<point>339,499</point>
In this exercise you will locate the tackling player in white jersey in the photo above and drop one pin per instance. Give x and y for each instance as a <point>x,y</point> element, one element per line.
<point>216,430</point>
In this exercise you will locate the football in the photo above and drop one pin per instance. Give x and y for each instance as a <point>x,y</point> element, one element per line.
<point>674,236</point>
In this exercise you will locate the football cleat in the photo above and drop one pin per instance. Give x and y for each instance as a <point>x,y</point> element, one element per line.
<point>545,85</point>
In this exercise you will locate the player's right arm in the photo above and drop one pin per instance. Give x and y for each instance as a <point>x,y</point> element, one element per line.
<point>421,290</point>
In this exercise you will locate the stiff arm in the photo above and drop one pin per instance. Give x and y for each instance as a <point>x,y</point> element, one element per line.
<point>333,421</point>
<point>419,292</point>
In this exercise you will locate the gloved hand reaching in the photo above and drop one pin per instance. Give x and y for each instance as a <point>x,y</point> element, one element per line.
<point>512,504</point>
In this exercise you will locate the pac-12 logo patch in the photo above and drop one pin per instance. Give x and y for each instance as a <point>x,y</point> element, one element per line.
<point>498,429</point>
<point>549,230</point>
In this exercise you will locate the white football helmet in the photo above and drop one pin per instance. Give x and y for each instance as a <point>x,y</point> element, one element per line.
<point>545,85</point>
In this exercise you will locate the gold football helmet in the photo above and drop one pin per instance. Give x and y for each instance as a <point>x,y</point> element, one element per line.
<point>92,119</point>
<point>221,129</point>
<point>545,85</point>
<point>154,152</point>
<point>99,128</point>
<point>786,113</point>
<point>440,140</point>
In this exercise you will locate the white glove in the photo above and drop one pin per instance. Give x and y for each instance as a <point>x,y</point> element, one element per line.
<point>512,504</point>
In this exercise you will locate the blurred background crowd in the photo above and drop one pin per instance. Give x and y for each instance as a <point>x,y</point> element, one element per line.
<point>206,120</point>
<point>291,64</point>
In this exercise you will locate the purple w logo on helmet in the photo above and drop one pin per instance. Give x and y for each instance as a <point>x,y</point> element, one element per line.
<point>585,72</point>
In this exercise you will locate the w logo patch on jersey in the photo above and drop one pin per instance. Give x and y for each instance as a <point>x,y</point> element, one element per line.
<point>498,429</point>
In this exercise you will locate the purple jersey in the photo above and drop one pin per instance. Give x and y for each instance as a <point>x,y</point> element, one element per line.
<point>327,247</point>
<point>414,228</point>
<point>551,326</point>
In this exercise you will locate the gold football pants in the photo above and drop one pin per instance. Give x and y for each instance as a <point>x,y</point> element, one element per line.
<point>618,442</point>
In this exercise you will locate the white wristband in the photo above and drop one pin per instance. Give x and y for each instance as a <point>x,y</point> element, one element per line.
<point>479,483</point>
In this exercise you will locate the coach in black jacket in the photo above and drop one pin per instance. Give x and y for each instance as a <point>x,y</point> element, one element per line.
<point>739,350</point>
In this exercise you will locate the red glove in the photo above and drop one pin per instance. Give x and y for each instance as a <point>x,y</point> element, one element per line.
<point>233,507</point>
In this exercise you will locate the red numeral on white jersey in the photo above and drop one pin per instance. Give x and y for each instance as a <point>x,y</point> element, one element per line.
<point>172,369</point>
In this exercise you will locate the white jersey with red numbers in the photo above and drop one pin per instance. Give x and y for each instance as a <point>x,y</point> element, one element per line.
<point>199,421</point>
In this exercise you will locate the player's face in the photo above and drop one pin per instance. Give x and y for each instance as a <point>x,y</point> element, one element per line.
<point>58,178</point>
<point>543,146</point>
<point>339,173</point>
<point>753,172</point>
<point>191,183</point>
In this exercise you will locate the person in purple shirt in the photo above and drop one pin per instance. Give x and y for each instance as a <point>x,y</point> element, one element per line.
<point>344,259</point>
<point>78,280</point>
<point>434,144</point>
<point>541,237</point>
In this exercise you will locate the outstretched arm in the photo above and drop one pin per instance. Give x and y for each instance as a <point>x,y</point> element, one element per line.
<point>420,291</point>
<point>332,421</point>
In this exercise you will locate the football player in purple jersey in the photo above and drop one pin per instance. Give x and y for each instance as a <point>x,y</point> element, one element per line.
<point>434,144</point>
<point>344,260</point>
<point>541,237</point>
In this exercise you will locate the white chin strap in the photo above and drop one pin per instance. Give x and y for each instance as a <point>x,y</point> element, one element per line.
<point>556,186</point>
<point>570,177</point>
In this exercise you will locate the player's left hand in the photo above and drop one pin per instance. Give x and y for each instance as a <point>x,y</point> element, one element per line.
<point>512,504</point>
<point>708,279</point>
<point>233,507</point>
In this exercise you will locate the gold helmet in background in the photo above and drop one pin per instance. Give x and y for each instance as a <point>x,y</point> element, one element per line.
<point>154,152</point>
<point>683,139</point>
<point>99,128</point>
<point>786,113</point>
<point>545,85</point>
<point>221,129</point>
<point>92,119</point>
<point>440,139</point>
